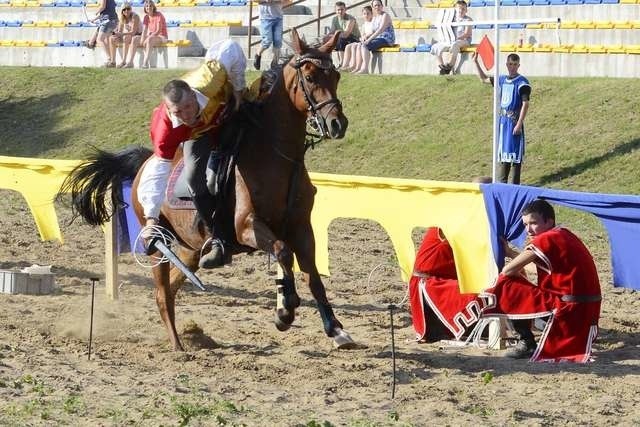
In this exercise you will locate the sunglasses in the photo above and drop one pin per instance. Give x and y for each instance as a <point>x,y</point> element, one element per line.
<point>126,8</point>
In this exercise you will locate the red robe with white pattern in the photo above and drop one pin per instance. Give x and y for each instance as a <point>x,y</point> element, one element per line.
<point>565,268</point>
<point>435,283</point>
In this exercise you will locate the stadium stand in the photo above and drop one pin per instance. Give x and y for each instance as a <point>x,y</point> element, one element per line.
<point>593,35</point>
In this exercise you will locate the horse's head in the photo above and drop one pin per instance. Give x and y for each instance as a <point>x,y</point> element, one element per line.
<point>313,86</point>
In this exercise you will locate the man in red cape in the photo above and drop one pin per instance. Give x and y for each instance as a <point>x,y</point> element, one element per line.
<point>568,291</point>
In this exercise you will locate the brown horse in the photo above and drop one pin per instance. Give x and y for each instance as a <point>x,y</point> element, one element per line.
<point>270,204</point>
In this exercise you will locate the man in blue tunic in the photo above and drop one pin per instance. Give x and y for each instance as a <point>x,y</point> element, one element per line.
<point>514,104</point>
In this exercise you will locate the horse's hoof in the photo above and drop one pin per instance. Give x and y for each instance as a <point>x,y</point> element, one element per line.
<point>283,321</point>
<point>343,341</point>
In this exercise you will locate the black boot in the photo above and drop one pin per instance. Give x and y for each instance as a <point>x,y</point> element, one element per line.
<point>206,205</point>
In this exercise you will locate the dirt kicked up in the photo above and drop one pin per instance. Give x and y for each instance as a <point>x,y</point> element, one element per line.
<point>239,370</point>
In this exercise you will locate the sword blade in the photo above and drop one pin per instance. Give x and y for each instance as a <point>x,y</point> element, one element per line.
<point>166,251</point>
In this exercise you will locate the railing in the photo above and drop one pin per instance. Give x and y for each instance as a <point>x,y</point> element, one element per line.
<point>319,17</point>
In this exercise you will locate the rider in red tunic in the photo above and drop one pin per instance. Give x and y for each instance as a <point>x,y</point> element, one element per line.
<point>568,291</point>
<point>438,309</point>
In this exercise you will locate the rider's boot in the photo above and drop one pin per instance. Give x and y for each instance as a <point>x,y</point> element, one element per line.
<point>205,205</point>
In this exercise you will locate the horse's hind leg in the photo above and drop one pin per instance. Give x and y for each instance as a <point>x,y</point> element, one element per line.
<point>165,298</point>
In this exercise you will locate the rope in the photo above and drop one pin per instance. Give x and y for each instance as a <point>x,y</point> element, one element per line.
<point>149,232</point>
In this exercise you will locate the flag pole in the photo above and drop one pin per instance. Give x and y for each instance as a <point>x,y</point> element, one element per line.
<point>496,89</point>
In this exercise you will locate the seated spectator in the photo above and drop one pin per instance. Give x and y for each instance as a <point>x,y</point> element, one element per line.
<point>463,39</point>
<point>107,20</point>
<point>382,36</point>
<point>353,55</point>
<point>348,27</point>
<point>154,31</point>
<point>438,309</point>
<point>129,26</point>
<point>567,291</point>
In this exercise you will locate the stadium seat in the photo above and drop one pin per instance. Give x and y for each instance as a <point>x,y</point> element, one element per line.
<point>542,48</point>
<point>507,47</point>
<point>201,23</point>
<point>508,2</point>
<point>524,2</point>
<point>557,2</point>
<point>541,2</point>
<point>421,25</point>
<point>622,25</point>
<point>423,47</point>
<point>603,25</point>
<point>525,48</point>
<point>628,1</point>
<point>598,48</point>
<point>632,49</point>
<point>518,26</point>
<point>28,24</point>
<point>407,48</point>
<point>237,2</point>
<point>578,48</point>
<point>477,3</point>
<point>483,26</point>
<point>610,1</point>
<point>561,49</point>
<point>13,23</point>
<point>586,25</point>
<point>615,49</point>
<point>407,25</point>
<point>573,2</point>
<point>186,24</point>
<point>219,3</point>
<point>534,26</point>
<point>394,48</point>
<point>592,1</point>
<point>568,25</point>
<point>635,25</point>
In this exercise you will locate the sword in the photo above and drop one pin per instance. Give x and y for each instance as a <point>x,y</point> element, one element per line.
<point>158,244</point>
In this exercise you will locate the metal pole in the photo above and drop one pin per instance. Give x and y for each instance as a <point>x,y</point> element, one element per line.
<point>496,89</point>
<point>319,17</point>
<point>93,294</point>
<point>250,30</point>
<point>393,352</point>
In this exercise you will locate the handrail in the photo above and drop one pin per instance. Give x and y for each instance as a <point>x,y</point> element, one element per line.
<point>317,20</point>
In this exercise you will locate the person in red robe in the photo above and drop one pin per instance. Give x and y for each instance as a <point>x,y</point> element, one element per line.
<point>567,291</point>
<point>438,309</point>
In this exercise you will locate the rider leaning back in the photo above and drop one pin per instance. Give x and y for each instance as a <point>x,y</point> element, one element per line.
<point>191,110</point>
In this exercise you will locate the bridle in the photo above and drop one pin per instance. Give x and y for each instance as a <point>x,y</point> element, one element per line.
<point>315,121</point>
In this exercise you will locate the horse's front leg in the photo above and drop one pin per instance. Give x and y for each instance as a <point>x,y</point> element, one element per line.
<point>165,298</point>
<point>305,253</point>
<point>253,232</point>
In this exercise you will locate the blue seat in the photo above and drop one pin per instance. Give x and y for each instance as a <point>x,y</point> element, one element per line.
<point>541,2</point>
<point>423,47</point>
<point>53,44</point>
<point>14,23</point>
<point>483,26</point>
<point>524,2</point>
<point>219,3</point>
<point>76,3</point>
<point>75,24</point>
<point>237,2</point>
<point>575,1</point>
<point>408,49</point>
<point>477,3</point>
<point>489,3</point>
<point>69,43</point>
<point>518,26</point>
<point>172,23</point>
<point>2,23</point>
<point>610,1</point>
<point>592,1</point>
<point>62,4</point>
<point>508,2</point>
<point>557,2</point>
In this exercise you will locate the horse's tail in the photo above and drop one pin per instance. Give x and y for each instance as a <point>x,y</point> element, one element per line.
<point>89,182</point>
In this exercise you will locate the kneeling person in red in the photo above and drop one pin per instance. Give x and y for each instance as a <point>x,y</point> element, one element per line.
<point>567,292</point>
<point>438,309</point>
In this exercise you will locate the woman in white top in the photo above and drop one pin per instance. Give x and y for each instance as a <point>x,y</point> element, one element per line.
<point>353,56</point>
<point>129,26</point>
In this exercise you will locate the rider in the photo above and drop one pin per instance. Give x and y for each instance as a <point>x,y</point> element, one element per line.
<point>191,111</point>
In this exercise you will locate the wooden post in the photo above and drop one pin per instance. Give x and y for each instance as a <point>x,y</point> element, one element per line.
<point>111,258</point>
<point>497,333</point>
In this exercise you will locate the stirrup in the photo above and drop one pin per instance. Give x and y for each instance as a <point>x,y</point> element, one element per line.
<point>215,257</point>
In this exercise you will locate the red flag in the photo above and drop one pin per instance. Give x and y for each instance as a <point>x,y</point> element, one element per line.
<point>486,52</point>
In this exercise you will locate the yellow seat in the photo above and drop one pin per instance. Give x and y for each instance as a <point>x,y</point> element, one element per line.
<point>468,49</point>
<point>586,25</point>
<point>29,24</point>
<point>604,25</point>
<point>186,3</point>
<point>18,3</point>
<point>568,25</point>
<point>508,47</point>
<point>596,48</point>
<point>390,49</point>
<point>446,3</point>
<point>632,49</point>
<point>6,43</point>
<point>183,42</point>
<point>615,49</point>
<point>552,25</point>
<point>186,24</point>
<point>525,48</point>
<point>58,24</point>
<point>421,25</point>
<point>407,25</point>
<point>635,25</point>
<point>534,26</point>
<point>32,3</point>
<point>42,24</point>
<point>622,25</point>
<point>628,1</point>
<point>38,43</point>
<point>201,23</point>
<point>563,48</point>
<point>396,23</point>
<point>542,48</point>
<point>218,24</point>
<point>169,43</point>
<point>21,43</point>
<point>578,48</point>
<point>234,23</point>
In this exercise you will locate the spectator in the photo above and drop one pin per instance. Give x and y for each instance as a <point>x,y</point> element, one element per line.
<point>567,291</point>
<point>348,27</point>
<point>107,20</point>
<point>463,39</point>
<point>515,91</point>
<point>129,26</point>
<point>353,53</point>
<point>189,113</point>
<point>271,22</point>
<point>382,36</point>
<point>154,31</point>
<point>438,309</point>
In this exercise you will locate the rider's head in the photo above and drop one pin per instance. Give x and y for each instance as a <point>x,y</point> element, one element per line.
<point>181,101</point>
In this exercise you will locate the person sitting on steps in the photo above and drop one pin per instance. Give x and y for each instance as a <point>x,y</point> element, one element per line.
<point>191,110</point>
